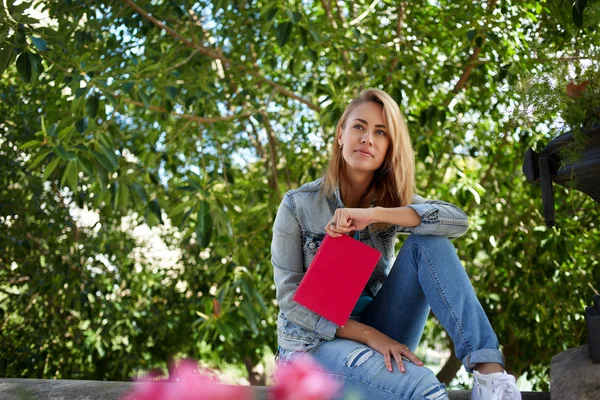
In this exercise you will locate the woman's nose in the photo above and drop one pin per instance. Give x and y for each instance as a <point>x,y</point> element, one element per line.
<point>367,137</point>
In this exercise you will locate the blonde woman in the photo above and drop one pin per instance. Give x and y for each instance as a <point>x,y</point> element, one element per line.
<point>367,192</point>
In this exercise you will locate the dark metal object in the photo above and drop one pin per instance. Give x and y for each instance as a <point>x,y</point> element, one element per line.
<point>592,317</point>
<point>583,175</point>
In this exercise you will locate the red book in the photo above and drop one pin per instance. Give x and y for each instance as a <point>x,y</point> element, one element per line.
<point>336,277</point>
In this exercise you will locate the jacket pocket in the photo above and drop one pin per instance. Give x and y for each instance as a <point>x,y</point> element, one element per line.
<point>311,243</point>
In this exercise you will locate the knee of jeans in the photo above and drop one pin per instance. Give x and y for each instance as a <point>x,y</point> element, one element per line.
<point>429,240</point>
<point>429,387</point>
<point>435,391</point>
<point>358,356</point>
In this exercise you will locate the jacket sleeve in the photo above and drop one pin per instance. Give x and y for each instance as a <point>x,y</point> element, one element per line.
<point>288,271</point>
<point>437,218</point>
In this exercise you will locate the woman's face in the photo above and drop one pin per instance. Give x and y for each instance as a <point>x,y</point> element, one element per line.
<point>365,138</point>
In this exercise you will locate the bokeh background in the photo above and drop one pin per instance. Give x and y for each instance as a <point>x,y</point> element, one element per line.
<point>145,146</point>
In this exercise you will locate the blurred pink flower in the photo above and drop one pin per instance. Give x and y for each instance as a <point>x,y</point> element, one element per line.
<point>187,382</point>
<point>303,379</point>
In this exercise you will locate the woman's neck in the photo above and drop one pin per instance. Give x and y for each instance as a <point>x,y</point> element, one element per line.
<point>356,187</point>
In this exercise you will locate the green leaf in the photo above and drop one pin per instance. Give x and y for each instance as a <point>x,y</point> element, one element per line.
<point>110,155</point>
<point>15,11</point>
<point>81,125</point>
<point>294,16</point>
<point>39,43</point>
<point>471,33</point>
<point>25,19</point>
<point>283,33</point>
<point>51,131</point>
<point>29,144</point>
<point>104,161</point>
<point>40,157</point>
<point>70,176</point>
<point>178,209</point>
<point>3,34</point>
<point>86,165</point>
<point>271,13</point>
<point>479,41</point>
<point>24,67</point>
<point>91,106</point>
<point>315,35</point>
<point>144,99</point>
<point>249,313</point>
<point>204,225</point>
<point>123,195</point>
<point>43,126</point>
<point>127,87</point>
<point>171,92</point>
<point>578,8</point>
<point>114,194</point>
<point>111,99</point>
<point>64,154</point>
<point>64,132</point>
<point>155,208</point>
<point>7,56</point>
<point>140,192</point>
<point>50,167</point>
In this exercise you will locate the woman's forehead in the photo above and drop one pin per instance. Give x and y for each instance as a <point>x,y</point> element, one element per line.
<point>370,112</point>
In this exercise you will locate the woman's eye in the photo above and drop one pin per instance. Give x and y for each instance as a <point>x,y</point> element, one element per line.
<point>358,126</point>
<point>382,132</point>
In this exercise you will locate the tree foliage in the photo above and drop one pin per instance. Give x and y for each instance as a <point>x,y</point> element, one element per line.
<point>195,117</point>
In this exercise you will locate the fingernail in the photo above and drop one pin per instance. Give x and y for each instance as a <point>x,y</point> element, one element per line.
<point>390,369</point>
<point>403,370</point>
<point>420,363</point>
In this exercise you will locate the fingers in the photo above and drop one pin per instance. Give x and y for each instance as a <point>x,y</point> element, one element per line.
<point>388,361</point>
<point>339,224</point>
<point>399,355</point>
<point>399,361</point>
<point>329,229</point>
<point>411,357</point>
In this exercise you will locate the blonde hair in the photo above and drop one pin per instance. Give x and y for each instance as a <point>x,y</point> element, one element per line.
<point>394,181</point>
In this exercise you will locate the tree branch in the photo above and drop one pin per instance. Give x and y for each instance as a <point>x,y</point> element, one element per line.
<point>470,64</point>
<point>187,116</point>
<point>217,55</point>
<point>256,141</point>
<point>272,150</point>
<point>363,15</point>
<point>340,15</point>
<point>188,59</point>
<point>401,17</point>
<point>327,6</point>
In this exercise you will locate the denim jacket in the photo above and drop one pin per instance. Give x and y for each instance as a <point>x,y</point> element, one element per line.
<point>298,231</point>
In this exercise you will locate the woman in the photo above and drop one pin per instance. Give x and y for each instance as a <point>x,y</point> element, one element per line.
<point>367,192</point>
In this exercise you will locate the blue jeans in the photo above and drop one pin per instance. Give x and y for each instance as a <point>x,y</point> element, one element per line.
<point>427,274</point>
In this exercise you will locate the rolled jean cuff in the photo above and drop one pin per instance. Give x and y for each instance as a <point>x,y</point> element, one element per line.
<point>482,356</point>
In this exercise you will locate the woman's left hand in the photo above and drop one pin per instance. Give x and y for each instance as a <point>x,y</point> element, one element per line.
<point>349,219</point>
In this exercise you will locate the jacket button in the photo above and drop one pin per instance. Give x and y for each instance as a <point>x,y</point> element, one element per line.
<point>311,245</point>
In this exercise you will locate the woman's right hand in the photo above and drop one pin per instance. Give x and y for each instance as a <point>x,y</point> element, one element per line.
<point>391,348</point>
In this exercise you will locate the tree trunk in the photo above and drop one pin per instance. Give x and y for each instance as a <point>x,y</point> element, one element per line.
<point>254,377</point>
<point>449,370</point>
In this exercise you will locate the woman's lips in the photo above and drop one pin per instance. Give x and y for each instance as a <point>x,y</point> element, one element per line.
<point>364,153</point>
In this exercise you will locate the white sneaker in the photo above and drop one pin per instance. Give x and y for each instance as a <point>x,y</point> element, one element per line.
<point>496,386</point>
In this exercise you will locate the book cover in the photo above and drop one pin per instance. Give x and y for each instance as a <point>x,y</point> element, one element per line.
<point>336,277</point>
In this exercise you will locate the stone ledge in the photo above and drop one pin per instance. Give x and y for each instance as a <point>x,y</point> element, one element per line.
<point>574,375</point>
<point>46,389</point>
